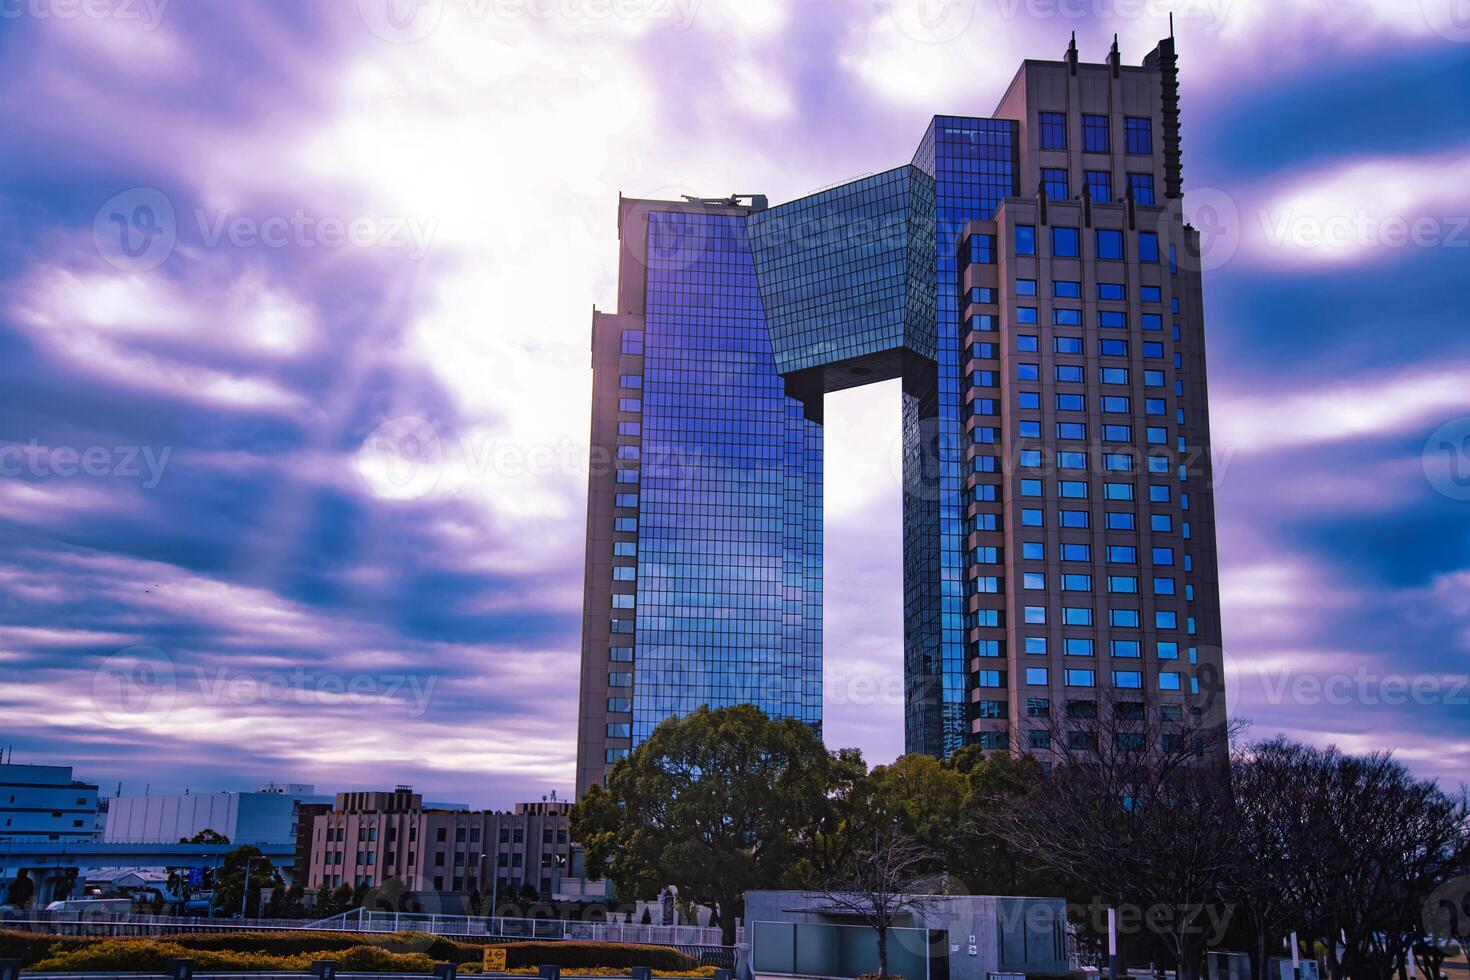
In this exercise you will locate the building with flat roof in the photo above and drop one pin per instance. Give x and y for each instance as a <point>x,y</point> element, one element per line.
<point>1029,279</point>
<point>369,837</point>
<point>268,814</point>
<point>962,937</point>
<point>46,803</point>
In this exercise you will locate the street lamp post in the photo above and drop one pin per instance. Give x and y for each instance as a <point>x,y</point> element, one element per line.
<point>494,887</point>
<point>1113,944</point>
<point>245,888</point>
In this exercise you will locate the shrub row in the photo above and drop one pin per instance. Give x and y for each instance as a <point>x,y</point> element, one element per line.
<point>151,954</point>
<point>580,954</point>
<point>33,948</point>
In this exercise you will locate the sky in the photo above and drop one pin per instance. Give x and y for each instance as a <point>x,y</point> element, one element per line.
<point>250,251</point>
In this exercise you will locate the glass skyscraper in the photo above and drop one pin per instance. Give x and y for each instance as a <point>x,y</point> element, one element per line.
<point>1058,521</point>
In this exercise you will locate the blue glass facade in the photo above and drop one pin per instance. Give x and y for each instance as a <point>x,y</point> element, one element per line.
<point>847,272</point>
<point>854,283</point>
<point>729,597</point>
<point>974,166</point>
<point>1007,318</point>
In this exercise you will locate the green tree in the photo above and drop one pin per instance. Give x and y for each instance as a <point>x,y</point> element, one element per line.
<point>923,799</point>
<point>716,803</point>
<point>983,860</point>
<point>21,889</point>
<point>287,903</point>
<point>206,836</point>
<point>230,881</point>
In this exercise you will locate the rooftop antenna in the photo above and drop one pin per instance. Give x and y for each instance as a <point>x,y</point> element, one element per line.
<point>1171,25</point>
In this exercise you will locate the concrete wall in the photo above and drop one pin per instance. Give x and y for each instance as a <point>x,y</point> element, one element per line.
<point>242,817</point>
<point>981,934</point>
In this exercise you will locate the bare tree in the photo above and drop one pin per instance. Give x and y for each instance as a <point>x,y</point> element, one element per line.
<point>1136,811</point>
<point>1348,850</point>
<point>880,879</point>
<point>1267,785</point>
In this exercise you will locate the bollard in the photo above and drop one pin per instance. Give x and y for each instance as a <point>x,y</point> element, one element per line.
<point>550,971</point>
<point>722,974</point>
<point>178,969</point>
<point>9,969</point>
<point>445,971</point>
<point>324,969</point>
<point>642,973</point>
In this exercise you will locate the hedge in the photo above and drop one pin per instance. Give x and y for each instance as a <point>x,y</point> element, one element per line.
<point>269,948</point>
<point>586,954</point>
<point>31,947</point>
<point>151,954</point>
<point>567,953</point>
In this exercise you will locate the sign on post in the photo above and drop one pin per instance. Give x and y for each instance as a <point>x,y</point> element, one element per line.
<point>324,969</point>
<point>178,969</point>
<point>9,969</point>
<point>445,971</point>
<point>494,959</point>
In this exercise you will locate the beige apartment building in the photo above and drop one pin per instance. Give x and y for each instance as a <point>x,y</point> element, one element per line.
<point>370,837</point>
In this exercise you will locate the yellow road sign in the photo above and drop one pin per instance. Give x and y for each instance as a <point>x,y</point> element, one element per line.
<point>494,959</point>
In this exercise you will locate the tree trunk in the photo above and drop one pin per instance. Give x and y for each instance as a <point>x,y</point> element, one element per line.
<point>725,909</point>
<point>1263,970</point>
<point>883,951</point>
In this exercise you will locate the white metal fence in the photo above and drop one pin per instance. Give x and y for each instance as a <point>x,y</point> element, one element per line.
<point>364,920</point>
